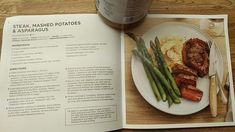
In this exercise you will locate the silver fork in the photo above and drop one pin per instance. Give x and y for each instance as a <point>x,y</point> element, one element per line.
<point>229,115</point>
<point>209,43</point>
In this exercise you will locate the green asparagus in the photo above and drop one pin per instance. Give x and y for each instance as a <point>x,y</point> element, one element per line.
<point>152,83</point>
<point>165,67</point>
<point>154,86</point>
<point>160,76</point>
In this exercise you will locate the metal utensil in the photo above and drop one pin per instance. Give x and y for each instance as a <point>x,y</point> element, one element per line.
<point>221,92</point>
<point>227,83</point>
<point>212,75</point>
<point>229,115</point>
<point>219,84</point>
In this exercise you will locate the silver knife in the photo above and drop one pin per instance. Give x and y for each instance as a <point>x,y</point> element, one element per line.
<point>212,76</point>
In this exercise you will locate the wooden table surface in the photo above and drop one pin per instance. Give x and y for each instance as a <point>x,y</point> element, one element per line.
<point>33,7</point>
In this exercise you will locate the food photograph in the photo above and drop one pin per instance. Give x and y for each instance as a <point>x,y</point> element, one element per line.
<point>176,71</point>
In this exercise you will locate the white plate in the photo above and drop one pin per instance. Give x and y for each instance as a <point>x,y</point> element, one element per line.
<point>142,83</point>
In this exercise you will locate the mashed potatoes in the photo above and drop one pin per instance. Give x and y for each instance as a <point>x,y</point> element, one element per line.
<point>171,47</point>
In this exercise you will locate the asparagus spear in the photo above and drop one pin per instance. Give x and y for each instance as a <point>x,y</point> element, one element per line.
<point>169,100</point>
<point>153,47</point>
<point>148,56</point>
<point>148,72</point>
<point>160,76</point>
<point>142,49</point>
<point>152,83</point>
<point>132,35</point>
<point>165,67</point>
<point>159,85</point>
<point>160,66</point>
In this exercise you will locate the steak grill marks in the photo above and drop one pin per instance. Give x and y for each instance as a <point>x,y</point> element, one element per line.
<point>195,54</point>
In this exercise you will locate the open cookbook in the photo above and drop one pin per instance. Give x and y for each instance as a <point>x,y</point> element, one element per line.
<point>72,72</point>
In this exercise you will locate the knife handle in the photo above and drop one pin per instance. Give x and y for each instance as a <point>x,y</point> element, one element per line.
<point>213,96</point>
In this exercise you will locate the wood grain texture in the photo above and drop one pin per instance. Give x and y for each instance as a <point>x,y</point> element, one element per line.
<point>32,7</point>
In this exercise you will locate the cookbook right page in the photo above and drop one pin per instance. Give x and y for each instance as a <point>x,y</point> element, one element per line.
<point>170,63</point>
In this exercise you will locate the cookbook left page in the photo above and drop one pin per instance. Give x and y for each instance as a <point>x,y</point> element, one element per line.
<point>60,73</point>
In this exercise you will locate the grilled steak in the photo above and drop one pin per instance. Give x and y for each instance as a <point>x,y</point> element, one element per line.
<point>182,69</point>
<point>195,54</point>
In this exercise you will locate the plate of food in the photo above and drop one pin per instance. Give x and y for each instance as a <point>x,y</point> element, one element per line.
<point>185,51</point>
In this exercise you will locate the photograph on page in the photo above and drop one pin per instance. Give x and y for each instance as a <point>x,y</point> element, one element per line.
<point>178,71</point>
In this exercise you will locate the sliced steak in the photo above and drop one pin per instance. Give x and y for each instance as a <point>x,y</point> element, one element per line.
<point>182,79</point>
<point>182,69</point>
<point>191,93</point>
